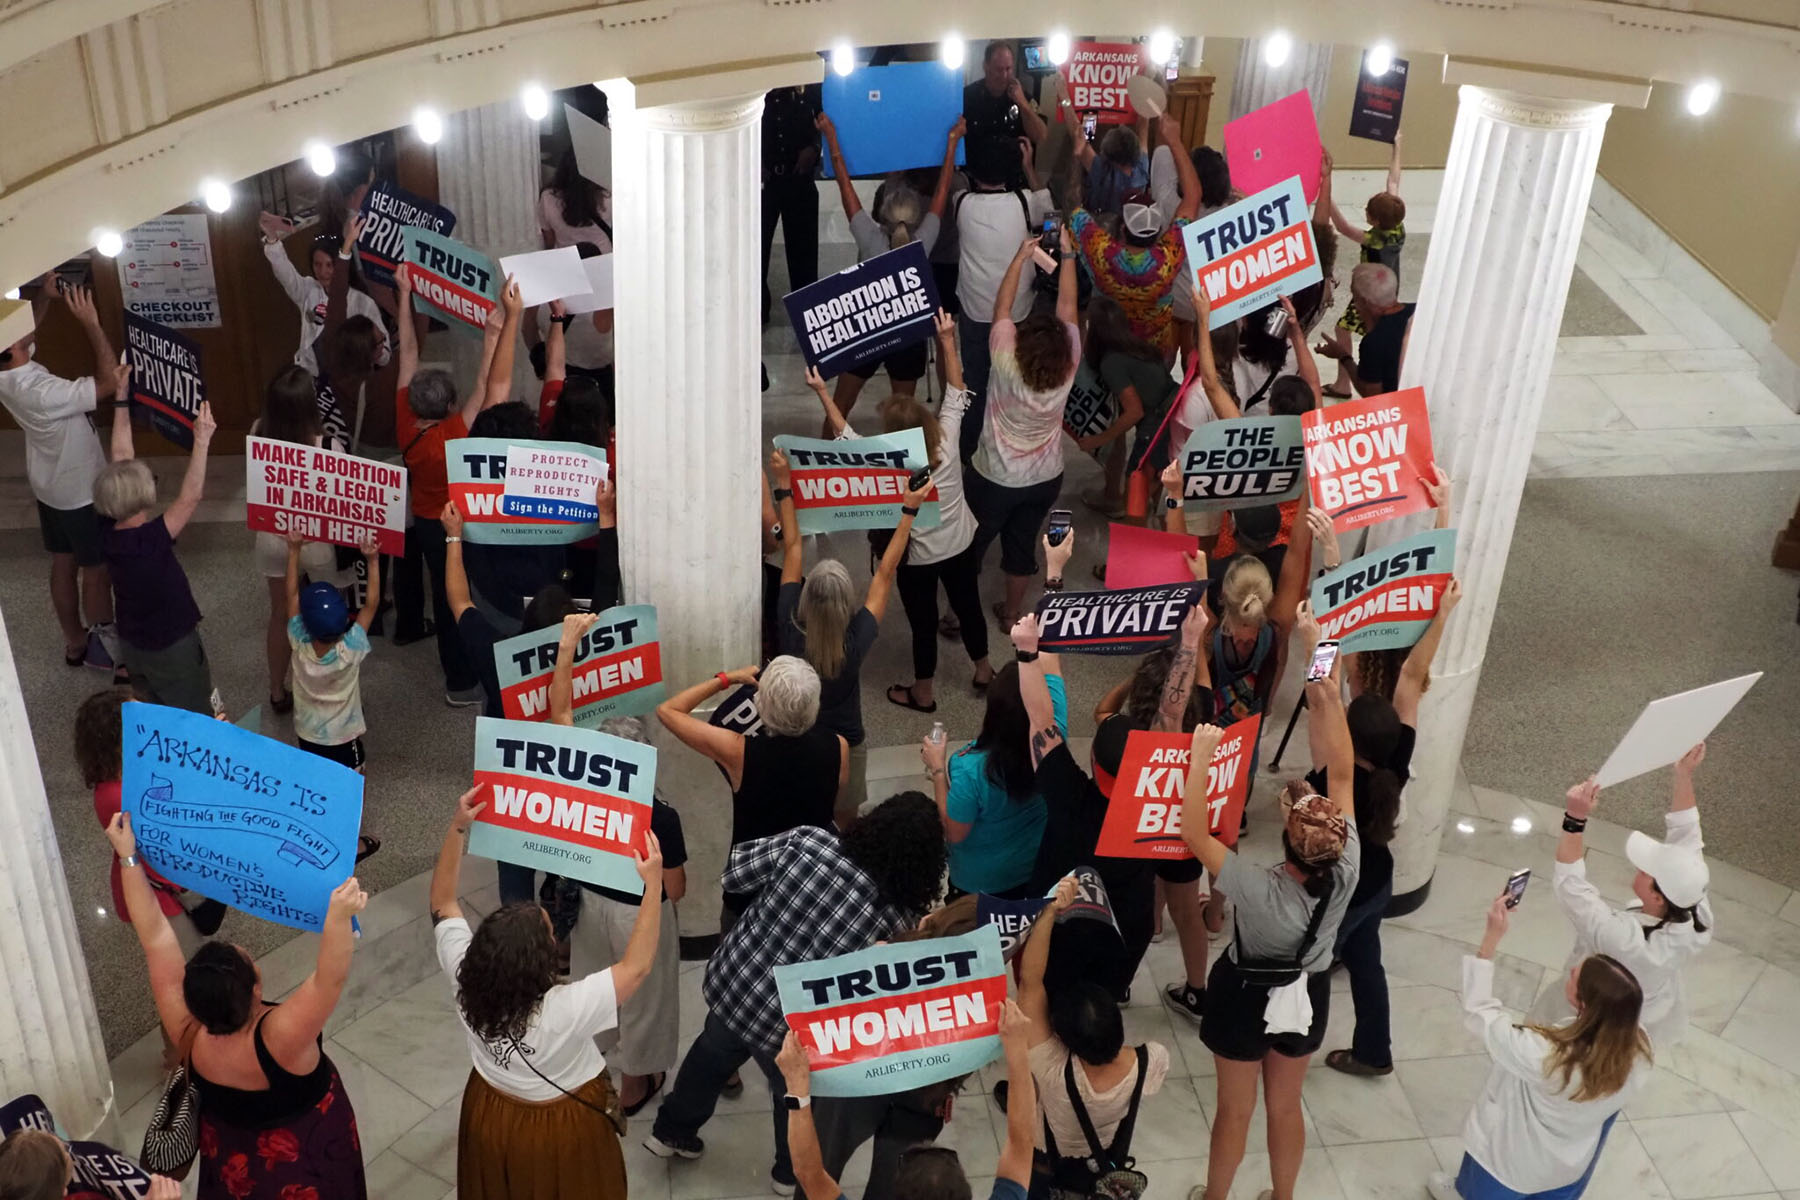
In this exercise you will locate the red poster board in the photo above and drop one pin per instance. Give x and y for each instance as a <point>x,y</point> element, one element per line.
<point>1367,460</point>
<point>1138,557</point>
<point>1095,78</point>
<point>1277,140</point>
<point>1143,818</point>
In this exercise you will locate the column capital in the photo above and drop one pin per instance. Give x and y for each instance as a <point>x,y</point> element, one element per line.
<point>716,87</point>
<point>1534,112</point>
<point>1536,86</point>
<point>705,116</point>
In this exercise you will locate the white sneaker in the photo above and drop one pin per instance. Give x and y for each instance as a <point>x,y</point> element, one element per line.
<point>1442,1187</point>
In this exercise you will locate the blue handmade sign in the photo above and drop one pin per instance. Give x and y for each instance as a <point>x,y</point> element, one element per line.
<point>262,826</point>
<point>895,117</point>
<point>866,312</point>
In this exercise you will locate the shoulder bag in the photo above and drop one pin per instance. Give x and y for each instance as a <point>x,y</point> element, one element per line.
<point>173,1139</point>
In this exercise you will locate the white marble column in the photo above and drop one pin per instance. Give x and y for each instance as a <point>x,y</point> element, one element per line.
<point>1490,308</point>
<point>49,1036</point>
<point>1308,68</point>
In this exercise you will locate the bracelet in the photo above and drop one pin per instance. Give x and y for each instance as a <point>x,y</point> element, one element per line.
<point>910,510</point>
<point>566,320</point>
<point>452,538</point>
<point>1025,656</point>
<point>1053,585</point>
<point>345,257</point>
<point>1171,503</point>
<point>1573,824</point>
<point>130,860</point>
<point>724,679</point>
<point>781,494</point>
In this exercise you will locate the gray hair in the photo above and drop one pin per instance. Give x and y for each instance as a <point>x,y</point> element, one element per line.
<point>827,600</point>
<point>1375,285</point>
<point>787,695</point>
<point>902,208</point>
<point>632,729</point>
<point>431,394</point>
<point>124,489</point>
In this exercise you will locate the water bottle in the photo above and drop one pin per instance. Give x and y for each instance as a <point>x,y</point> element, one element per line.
<point>937,733</point>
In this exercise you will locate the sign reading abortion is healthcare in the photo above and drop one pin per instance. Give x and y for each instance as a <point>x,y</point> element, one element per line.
<point>856,483</point>
<point>1143,817</point>
<point>165,378</point>
<point>327,495</point>
<point>101,1173</point>
<point>265,827</point>
<point>1243,460</point>
<point>1132,621</point>
<point>388,213</point>
<point>617,670</point>
<point>897,1016</point>
<point>455,283</point>
<point>1253,252</point>
<point>524,492</point>
<point>574,802</point>
<point>865,313</point>
<point>1386,600</point>
<point>1367,459</point>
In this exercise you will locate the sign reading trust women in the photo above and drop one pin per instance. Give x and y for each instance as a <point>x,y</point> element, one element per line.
<point>1253,252</point>
<point>1385,600</point>
<point>1367,459</point>
<point>455,283</point>
<point>617,670</point>
<point>897,1016</point>
<point>866,312</point>
<point>574,802</point>
<point>327,495</point>
<point>1143,815</point>
<point>856,483</point>
<point>519,492</point>
<point>263,826</point>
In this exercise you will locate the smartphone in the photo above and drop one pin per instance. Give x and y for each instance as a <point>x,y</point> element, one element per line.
<point>917,479</point>
<point>1090,125</point>
<point>218,704</point>
<point>1515,887</point>
<point>1276,323</point>
<point>1061,522</point>
<point>1323,659</point>
<point>1050,236</point>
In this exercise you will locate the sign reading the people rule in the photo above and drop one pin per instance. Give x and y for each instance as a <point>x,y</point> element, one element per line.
<point>388,213</point>
<point>897,1016</point>
<point>166,383</point>
<point>1253,252</point>
<point>865,313</point>
<point>1143,815</point>
<point>1386,600</point>
<point>1367,460</point>
<point>1242,460</point>
<point>325,495</point>
<point>856,483</point>
<point>455,283</point>
<point>617,670</point>
<point>1096,74</point>
<point>1091,408</point>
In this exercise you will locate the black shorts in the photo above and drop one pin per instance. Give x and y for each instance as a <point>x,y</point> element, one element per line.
<point>71,531</point>
<point>906,365</point>
<point>947,275</point>
<point>1179,870</point>
<point>1232,1025</point>
<point>350,754</point>
<point>1013,514</point>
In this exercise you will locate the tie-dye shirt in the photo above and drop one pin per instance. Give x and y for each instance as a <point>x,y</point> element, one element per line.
<point>1140,278</point>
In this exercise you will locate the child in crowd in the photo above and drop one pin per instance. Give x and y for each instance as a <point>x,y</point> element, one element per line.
<point>1381,243</point>
<point>329,648</point>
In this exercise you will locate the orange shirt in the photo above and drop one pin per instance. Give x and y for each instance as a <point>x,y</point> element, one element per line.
<point>1227,545</point>
<point>424,451</point>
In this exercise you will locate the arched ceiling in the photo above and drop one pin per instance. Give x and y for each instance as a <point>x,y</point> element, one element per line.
<point>116,109</point>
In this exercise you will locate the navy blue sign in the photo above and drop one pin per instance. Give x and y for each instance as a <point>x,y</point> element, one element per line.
<point>866,313</point>
<point>1128,621</point>
<point>389,211</point>
<point>1375,112</point>
<point>101,1173</point>
<point>166,386</point>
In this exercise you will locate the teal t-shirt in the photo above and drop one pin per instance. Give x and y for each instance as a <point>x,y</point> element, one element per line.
<point>1003,839</point>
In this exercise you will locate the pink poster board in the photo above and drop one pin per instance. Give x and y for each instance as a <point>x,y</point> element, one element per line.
<point>1137,557</point>
<point>1276,141</point>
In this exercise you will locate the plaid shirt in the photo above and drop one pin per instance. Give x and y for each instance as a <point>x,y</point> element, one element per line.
<point>811,902</point>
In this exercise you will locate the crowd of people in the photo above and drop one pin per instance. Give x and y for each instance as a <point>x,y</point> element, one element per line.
<point>567,985</point>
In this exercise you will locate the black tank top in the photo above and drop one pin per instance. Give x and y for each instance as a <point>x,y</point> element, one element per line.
<point>286,1095</point>
<point>788,782</point>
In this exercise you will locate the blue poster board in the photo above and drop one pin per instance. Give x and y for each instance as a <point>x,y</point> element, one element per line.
<point>893,118</point>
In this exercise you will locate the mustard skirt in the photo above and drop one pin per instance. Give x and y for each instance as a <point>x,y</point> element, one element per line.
<point>509,1149</point>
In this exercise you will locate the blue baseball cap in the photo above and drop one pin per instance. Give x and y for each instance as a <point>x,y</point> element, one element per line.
<point>323,611</point>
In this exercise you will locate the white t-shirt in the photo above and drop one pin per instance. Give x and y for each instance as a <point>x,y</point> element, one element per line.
<point>62,451</point>
<point>561,233</point>
<point>328,688</point>
<point>310,298</point>
<point>559,1041</point>
<point>990,226</point>
<point>583,345</point>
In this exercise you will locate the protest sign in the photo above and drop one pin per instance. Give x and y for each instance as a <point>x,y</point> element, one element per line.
<point>456,284</point>
<point>1125,622</point>
<point>1251,253</point>
<point>897,1016</point>
<point>327,495</point>
<point>1367,460</point>
<point>546,275</point>
<point>101,1173</point>
<point>866,312</point>
<point>1143,815</point>
<point>166,271</point>
<point>738,713</point>
<point>519,492</point>
<point>1093,906</point>
<point>592,143</point>
<point>856,483</point>
<point>388,212</point>
<point>1670,727</point>
<point>1096,74</point>
<point>1375,110</point>
<point>617,670</point>
<point>265,827</point>
<point>894,117</point>
<point>1091,407</point>
<point>1012,919</point>
<point>1242,461</point>
<point>599,294</point>
<point>574,802</point>
<point>1385,600</point>
<point>166,382</point>
<point>1137,557</point>
<point>1276,142</point>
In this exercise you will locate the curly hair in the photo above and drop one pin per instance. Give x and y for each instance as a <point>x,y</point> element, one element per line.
<point>900,845</point>
<point>510,964</point>
<point>1378,671</point>
<point>1144,699</point>
<point>1046,360</point>
<point>97,736</point>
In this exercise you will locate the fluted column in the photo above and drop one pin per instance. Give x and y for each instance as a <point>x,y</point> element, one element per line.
<point>49,1036</point>
<point>1490,307</point>
<point>1256,83</point>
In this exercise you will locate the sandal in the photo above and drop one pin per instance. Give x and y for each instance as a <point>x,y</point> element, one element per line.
<point>283,706</point>
<point>632,1110</point>
<point>905,699</point>
<point>999,611</point>
<point>366,845</point>
<point>1331,395</point>
<point>980,684</point>
<point>1349,1064</point>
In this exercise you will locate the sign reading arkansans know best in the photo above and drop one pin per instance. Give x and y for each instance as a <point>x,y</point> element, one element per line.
<point>617,670</point>
<point>574,802</point>
<point>897,1016</point>
<point>1251,253</point>
<point>1367,459</point>
<point>1385,600</point>
<point>1143,815</point>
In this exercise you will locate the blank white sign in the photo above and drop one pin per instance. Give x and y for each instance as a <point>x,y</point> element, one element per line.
<point>592,143</point>
<point>1670,727</point>
<point>545,275</point>
<point>599,271</point>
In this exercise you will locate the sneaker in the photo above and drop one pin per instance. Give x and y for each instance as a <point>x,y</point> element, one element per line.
<point>1442,1187</point>
<point>97,655</point>
<point>466,698</point>
<point>779,1184</point>
<point>674,1145</point>
<point>1186,1001</point>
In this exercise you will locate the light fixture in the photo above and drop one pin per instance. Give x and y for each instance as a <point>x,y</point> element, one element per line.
<point>1702,96</point>
<point>101,913</point>
<point>1465,826</point>
<point>1380,59</point>
<point>12,293</point>
<point>536,101</point>
<point>1277,47</point>
<point>321,158</point>
<point>1521,825</point>
<point>108,242</point>
<point>1059,48</point>
<point>1162,47</point>
<point>428,123</point>
<point>843,58</point>
<point>216,194</point>
<point>952,51</point>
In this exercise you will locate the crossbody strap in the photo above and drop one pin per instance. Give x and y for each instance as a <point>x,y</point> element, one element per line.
<point>526,1059</point>
<point>1306,941</point>
<point>1108,1156</point>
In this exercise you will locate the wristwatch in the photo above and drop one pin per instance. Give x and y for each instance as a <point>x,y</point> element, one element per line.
<point>1171,503</point>
<point>795,1103</point>
<point>781,494</point>
<point>130,860</point>
<point>1053,585</point>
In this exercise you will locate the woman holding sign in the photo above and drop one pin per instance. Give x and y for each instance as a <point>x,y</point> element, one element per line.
<point>275,1121</point>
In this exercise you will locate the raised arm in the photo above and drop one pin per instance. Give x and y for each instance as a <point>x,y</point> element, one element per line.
<point>883,581</point>
<point>1438,490</point>
<point>556,343</point>
<point>446,875</point>
<point>639,958</point>
<point>1180,682</point>
<point>292,1028</point>
<point>1578,806</point>
<point>1327,730</point>
<point>1034,689</point>
<point>815,1181</point>
<point>121,445</point>
<point>1068,291</point>
<point>1326,208</point>
<point>193,483</point>
<point>723,746</point>
<point>371,605</point>
<point>940,195</point>
<point>491,333</point>
<point>290,279</point>
<point>1683,799</point>
<point>162,952</point>
<point>1021,1098</point>
<point>456,580</point>
<point>295,540</point>
<point>1170,129</point>
<point>1196,820</point>
<point>109,382</point>
<point>839,168</point>
<point>1174,514</point>
<point>562,680</point>
<point>839,426</point>
<point>1296,574</point>
<point>1224,405</point>
<point>408,335</point>
<point>1034,956</point>
<point>337,292</point>
<point>1305,366</point>
<point>1032,123</point>
<point>499,376</point>
<point>791,550</point>
<point>1393,174</point>
<point>948,352</point>
<point>1009,283</point>
<point>1414,673</point>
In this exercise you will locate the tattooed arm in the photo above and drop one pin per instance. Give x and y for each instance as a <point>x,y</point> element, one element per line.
<point>1180,683</point>
<point>1034,689</point>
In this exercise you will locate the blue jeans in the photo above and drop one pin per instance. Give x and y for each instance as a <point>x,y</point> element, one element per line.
<point>1474,1183</point>
<point>976,366</point>
<point>710,1061</point>
<point>1359,946</point>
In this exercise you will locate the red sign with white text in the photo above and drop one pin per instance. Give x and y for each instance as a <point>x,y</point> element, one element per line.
<point>1367,460</point>
<point>1095,76</point>
<point>1143,818</point>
